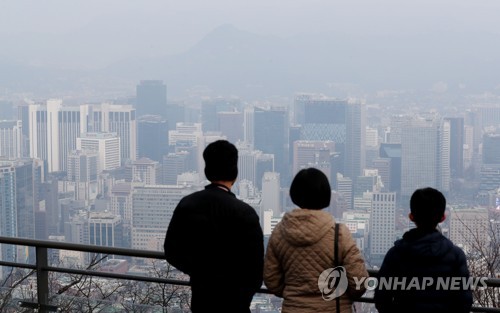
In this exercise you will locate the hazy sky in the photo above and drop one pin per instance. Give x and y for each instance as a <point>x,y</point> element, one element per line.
<point>163,26</point>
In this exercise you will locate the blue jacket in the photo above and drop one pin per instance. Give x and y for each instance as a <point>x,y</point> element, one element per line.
<point>423,254</point>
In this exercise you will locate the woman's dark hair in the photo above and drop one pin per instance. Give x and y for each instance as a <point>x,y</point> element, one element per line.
<point>310,189</point>
<point>427,205</point>
<point>221,161</point>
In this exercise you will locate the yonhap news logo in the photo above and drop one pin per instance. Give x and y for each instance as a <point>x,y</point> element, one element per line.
<point>332,283</point>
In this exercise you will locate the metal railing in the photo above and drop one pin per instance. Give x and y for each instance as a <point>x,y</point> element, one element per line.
<point>43,269</point>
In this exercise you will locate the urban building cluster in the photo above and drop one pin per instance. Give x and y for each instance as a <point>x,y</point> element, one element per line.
<point>111,174</point>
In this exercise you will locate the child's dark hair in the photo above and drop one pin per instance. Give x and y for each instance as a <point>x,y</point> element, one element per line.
<point>427,205</point>
<point>310,189</point>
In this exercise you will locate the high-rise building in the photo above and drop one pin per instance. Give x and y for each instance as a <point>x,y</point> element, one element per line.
<point>53,131</point>
<point>265,163</point>
<point>344,188</point>
<point>230,124</point>
<point>271,193</point>
<point>113,118</point>
<point>185,134</point>
<point>490,169</point>
<point>105,229</point>
<point>491,148</point>
<point>396,128</point>
<point>383,166</point>
<point>456,146</point>
<point>147,171</point>
<point>11,139</point>
<point>23,113</point>
<point>173,165</point>
<point>382,225</point>
<point>468,146</point>
<point>8,210</point>
<point>210,109</point>
<point>152,211</point>
<point>49,222</point>
<point>393,152</point>
<point>334,120</point>
<point>107,147</point>
<point>152,137</point>
<point>468,227</point>
<point>248,125</point>
<point>271,136</point>
<point>151,98</point>
<point>19,183</point>
<point>425,155</point>
<point>251,165</point>
<point>312,154</point>
<point>82,174</point>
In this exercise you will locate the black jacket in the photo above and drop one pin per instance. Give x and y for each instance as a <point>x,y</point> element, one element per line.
<point>217,240</point>
<point>423,254</point>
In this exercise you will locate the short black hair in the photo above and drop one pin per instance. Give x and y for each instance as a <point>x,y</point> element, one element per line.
<point>427,205</point>
<point>310,189</point>
<point>221,161</point>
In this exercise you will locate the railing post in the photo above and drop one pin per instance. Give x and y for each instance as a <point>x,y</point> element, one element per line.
<point>42,278</point>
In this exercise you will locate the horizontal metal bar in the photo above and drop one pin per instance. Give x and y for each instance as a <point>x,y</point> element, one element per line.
<point>36,306</point>
<point>491,282</point>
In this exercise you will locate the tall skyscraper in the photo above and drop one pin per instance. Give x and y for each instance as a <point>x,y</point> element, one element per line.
<point>152,137</point>
<point>271,193</point>
<point>82,174</point>
<point>312,154</point>
<point>425,155</point>
<point>23,116</point>
<point>151,98</point>
<point>271,136</point>
<point>8,210</point>
<point>383,166</point>
<point>456,146</point>
<point>382,225</point>
<point>174,164</point>
<point>490,169</point>
<point>53,132</point>
<point>393,152</point>
<point>210,109</point>
<point>230,124</point>
<point>11,139</point>
<point>152,210</point>
<point>113,118</point>
<point>19,183</point>
<point>340,121</point>
<point>252,164</point>
<point>491,148</point>
<point>344,188</point>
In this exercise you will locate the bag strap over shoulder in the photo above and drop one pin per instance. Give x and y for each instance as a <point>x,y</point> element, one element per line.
<point>336,259</point>
<point>336,245</point>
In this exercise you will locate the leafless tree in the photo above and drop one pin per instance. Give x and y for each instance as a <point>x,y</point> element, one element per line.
<point>484,258</point>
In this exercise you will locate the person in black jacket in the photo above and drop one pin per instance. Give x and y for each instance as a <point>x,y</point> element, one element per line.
<point>216,239</point>
<point>425,256</point>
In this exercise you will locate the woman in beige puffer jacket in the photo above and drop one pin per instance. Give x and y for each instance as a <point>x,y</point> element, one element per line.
<point>301,247</point>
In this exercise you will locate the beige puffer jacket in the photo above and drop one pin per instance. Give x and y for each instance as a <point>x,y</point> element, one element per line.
<point>299,250</point>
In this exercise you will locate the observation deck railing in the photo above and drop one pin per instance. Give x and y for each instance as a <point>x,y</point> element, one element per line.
<point>43,268</point>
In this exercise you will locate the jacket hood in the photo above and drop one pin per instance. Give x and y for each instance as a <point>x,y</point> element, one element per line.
<point>424,243</point>
<point>302,227</point>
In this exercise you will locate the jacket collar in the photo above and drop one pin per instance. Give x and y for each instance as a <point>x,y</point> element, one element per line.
<point>214,186</point>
